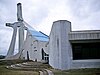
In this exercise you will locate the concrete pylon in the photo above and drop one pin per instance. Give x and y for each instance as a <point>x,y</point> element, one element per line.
<point>19,12</point>
<point>12,44</point>
<point>21,36</point>
<point>21,28</point>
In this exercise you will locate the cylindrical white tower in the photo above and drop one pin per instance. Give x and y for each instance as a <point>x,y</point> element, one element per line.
<point>59,45</point>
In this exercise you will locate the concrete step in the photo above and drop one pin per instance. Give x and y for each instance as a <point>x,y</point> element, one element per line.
<point>29,66</point>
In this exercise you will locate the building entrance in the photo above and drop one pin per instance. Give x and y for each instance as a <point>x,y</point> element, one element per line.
<point>45,56</point>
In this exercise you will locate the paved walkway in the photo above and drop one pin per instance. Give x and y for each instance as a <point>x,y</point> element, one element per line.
<point>48,71</point>
<point>41,73</point>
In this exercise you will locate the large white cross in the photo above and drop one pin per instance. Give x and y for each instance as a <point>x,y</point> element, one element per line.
<point>20,26</point>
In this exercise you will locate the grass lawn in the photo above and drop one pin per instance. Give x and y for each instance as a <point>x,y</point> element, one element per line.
<point>78,72</point>
<point>5,71</point>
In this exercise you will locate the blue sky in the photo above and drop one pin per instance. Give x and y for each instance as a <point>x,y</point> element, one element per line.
<point>40,14</point>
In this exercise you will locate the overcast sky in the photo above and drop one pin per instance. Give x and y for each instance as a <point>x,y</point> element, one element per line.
<point>40,14</point>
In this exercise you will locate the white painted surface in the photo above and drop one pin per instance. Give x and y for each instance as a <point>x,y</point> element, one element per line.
<point>59,45</point>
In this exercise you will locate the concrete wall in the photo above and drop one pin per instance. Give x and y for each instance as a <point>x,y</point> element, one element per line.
<point>34,47</point>
<point>27,46</point>
<point>90,63</point>
<point>59,45</point>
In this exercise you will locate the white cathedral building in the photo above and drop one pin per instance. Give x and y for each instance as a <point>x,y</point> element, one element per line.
<point>63,49</point>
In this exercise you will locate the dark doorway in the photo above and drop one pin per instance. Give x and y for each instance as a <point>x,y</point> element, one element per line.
<point>45,56</point>
<point>42,54</point>
<point>27,56</point>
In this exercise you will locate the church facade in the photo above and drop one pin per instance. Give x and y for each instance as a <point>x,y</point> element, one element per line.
<point>34,47</point>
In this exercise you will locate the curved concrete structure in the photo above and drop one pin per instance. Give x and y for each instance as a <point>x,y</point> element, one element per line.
<point>20,26</point>
<point>12,44</point>
<point>10,53</point>
<point>30,47</point>
<point>59,46</point>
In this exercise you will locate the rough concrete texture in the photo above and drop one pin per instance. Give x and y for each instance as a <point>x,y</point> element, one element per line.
<point>59,45</point>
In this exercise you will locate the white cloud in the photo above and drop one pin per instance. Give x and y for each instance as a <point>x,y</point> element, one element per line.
<point>40,14</point>
<point>85,14</point>
<point>5,37</point>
